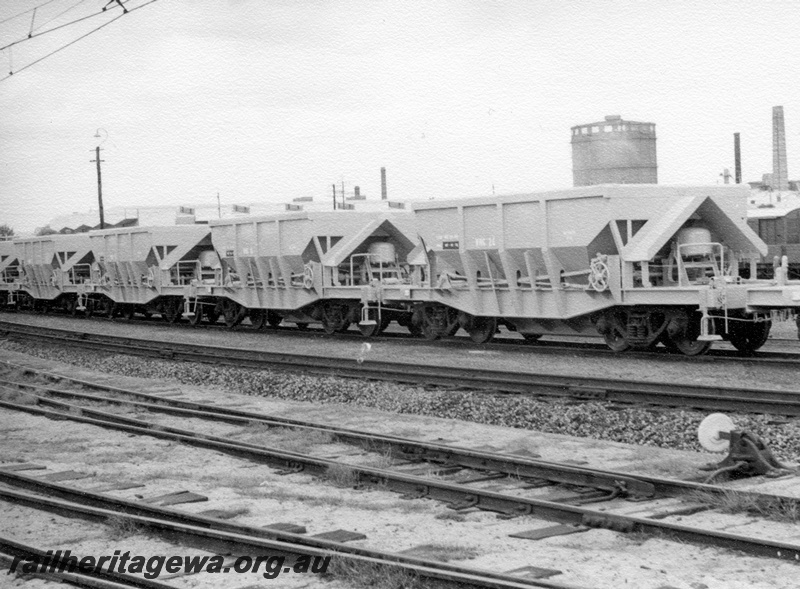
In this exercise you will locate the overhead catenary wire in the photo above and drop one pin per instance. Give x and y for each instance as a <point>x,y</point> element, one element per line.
<point>59,27</point>
<point>59,15</point>
<point>71,42</point>
<point>26,11</point>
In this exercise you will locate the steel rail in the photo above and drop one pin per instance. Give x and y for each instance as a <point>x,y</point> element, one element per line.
<point>594,348</point>
<point>214,534</point>
<point>772,401</point>
<point>452,455</point>
<point>509,464</point>
<point>416,486</point>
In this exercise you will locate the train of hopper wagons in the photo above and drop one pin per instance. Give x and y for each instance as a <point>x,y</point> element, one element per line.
<point>640,264</point>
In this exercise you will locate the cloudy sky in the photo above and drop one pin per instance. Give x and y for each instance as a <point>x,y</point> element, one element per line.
<point>268,100</point>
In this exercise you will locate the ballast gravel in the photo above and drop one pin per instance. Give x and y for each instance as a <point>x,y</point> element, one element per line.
<point>660,427</point>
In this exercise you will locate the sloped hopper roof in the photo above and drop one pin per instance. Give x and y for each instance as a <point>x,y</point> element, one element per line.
<point>657,232</point>
<point>345,247</point>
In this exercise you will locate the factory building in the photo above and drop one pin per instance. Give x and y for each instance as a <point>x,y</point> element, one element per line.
<point>614,151</point>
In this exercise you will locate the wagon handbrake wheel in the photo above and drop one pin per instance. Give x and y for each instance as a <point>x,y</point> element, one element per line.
<point>308,277</point>
<point>599,275</point>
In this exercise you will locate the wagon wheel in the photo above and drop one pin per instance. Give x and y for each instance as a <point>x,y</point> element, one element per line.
<point>172,310</point>
<point>194,320</point>
<point>213,315</point>
<point>688,346</point>
<point>684,339</point>
<point>128,312</point>
<point>615,340</point>
<point>748,337</point>
<point>429,326</point>
<point>273,319</point>
<point>482,329</point>
<point>301,326</point>
<point>333,319</point>
<point>108,308</point>
<point>668,343</point>
<point>233,313</point>
<point>531,337</point>
<point>258,318</point>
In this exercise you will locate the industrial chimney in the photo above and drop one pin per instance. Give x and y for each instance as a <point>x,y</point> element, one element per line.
<point>737,157</point>
<point>383,183</point>
<point>780,175</point>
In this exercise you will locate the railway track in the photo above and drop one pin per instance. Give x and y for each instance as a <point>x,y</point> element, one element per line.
<point>741,399</point>
<point>216,534</point>
<point>463,489</point>
<point>506,464</point>
<point>580,346</point>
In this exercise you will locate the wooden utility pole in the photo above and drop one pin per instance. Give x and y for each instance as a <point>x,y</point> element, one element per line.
<point>737,157</point>
<point>99,186</point>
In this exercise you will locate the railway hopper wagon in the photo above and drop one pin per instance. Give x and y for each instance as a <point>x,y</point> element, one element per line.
<point>9,273</point>
<point>145,269</point>
<point>327,267</point>
<point>780,230</point>
<point>641,264</point>
<point>48,272</point>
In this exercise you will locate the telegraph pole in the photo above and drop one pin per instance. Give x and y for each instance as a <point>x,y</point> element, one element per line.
<point>99,186</point>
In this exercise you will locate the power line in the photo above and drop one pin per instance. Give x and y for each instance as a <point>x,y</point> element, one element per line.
<point>76,40</point>
<point>26,12</point>
<point>60,14</point>
<point>32,36</point>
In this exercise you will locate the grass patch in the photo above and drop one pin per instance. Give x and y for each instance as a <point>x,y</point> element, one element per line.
<point>19,397</point>
<point>442,552</point>
<point>382,459</point>
<point>327,500</point>
<point>290,439</point>
<point>453,516</point>
<point>360,575</point>
<point>732,501</point>
<point>341,475</point>
<point>120,528</point>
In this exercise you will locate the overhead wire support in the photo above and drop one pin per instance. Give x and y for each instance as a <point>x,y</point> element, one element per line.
<point>11,73</point>
<point>26,11</point>
<point>73,22</point>
<point>33,18</point>
<point>59,15</point>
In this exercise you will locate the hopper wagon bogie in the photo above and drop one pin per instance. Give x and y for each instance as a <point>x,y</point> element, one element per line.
<point>306,268</point>
<point>641,264</point>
